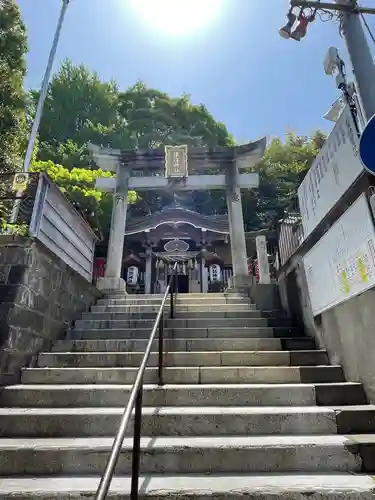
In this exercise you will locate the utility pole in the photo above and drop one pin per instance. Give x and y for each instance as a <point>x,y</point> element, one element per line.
<point>361,60</point>
<point>44,89</point>
<point>39,109</point>
<point>355,39</point>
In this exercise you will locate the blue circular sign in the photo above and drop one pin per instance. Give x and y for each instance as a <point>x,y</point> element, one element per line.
<point>367,146</point>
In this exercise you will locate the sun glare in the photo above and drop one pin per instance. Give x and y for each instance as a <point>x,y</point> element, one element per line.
<point>176,17</point>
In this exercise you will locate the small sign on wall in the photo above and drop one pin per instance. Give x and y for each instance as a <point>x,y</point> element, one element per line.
<point>20,182</point>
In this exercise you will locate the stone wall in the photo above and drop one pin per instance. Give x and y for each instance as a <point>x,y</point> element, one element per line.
<point>40,296</point>
<point>347,331</point>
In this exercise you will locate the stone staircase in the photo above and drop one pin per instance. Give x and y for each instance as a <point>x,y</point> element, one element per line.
<point>250,408</point>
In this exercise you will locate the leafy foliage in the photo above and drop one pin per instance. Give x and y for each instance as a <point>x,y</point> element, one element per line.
<point>13,46</point>
<point>281,171</point>
<point>78,185</point>
<point>81,108</point>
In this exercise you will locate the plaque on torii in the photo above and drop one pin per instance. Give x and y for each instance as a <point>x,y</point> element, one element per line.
<point>176,162</point>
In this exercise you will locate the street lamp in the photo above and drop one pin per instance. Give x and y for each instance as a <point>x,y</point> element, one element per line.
<point>301,28</point>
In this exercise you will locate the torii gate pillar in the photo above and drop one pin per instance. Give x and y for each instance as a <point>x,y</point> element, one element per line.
<point>112,279</point>
<point>236,228</point>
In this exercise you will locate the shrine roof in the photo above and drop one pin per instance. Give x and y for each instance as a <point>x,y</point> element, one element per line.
<point>199,158</point>
<point>179,215</point>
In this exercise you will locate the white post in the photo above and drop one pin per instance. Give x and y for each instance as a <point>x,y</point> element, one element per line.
<point>148,272</point>
<point>112,278</point>
<point>262,255</point>
<point>236,227</point>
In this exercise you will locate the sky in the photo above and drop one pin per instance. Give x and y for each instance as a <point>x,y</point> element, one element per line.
<point>235,62</point>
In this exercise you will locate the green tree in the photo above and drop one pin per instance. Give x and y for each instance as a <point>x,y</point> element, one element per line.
<point>78,185</point>
<point>80,108</point>
<point>281,171</point>
<point>154,119</point>
<point>13,47</point>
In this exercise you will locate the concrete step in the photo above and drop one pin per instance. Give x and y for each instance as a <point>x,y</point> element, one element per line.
<point>209,307</point>
<point>181,296</point>
<point>98,395</point>
<point>181,300</point>
<point>141,314</point>
<point>172,421</point>
<point>182,333</point>
<point>203,322</point>
<point>185,375</point>
<point>191,359</point>
<point>227,322</point>
<point>266,486</point>
<point>200,455</point>
<point>176,345</point>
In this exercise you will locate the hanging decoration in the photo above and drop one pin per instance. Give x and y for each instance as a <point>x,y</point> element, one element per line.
<point>132,264</point>
<point>132,275</point>
<point>176,245</point>
<point>214,264</point>
<point>215,273</point>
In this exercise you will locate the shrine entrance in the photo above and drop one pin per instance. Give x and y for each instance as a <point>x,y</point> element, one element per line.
<point>182,283</point>
<point>186,169</point>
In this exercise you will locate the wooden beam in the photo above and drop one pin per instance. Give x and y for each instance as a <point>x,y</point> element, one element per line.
<point>192,183</point>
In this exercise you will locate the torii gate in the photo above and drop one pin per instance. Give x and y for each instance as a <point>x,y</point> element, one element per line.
<point>178,163</point>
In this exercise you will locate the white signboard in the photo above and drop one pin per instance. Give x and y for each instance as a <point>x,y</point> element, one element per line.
<point>332,173</point>
<point>342,264</point>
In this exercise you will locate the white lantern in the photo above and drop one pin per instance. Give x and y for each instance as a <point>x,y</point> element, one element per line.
<point>215,273</point>
<point>132,275</point>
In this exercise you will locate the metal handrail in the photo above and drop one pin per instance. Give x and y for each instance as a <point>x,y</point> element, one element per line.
<point>135,400</point>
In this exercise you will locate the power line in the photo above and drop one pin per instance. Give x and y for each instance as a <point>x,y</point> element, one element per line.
<point>368,28</point>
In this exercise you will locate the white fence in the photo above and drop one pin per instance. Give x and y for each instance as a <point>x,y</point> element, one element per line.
<point>342,263</point>
<point>61,229</point>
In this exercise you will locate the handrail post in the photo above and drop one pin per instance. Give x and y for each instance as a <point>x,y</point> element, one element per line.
<point>136,459</point>
<point>135,403</point>
<point>161,351</point>
<point>171,292</point>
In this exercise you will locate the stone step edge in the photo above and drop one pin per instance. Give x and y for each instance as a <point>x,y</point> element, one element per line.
<point>177,443</point>
<point>221,486</point>
<point>180,387</point>
<point>190,339</point>
<point>178,328</point>
<point>322,394</point>
<point>174,368</point>
<point>183,353</point>
<point>186,410</point>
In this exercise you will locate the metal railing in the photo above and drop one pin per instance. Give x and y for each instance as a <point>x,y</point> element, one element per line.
<point>135,401</point>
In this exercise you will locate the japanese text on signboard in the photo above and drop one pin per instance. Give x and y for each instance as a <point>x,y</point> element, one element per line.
<point>331,174</point>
